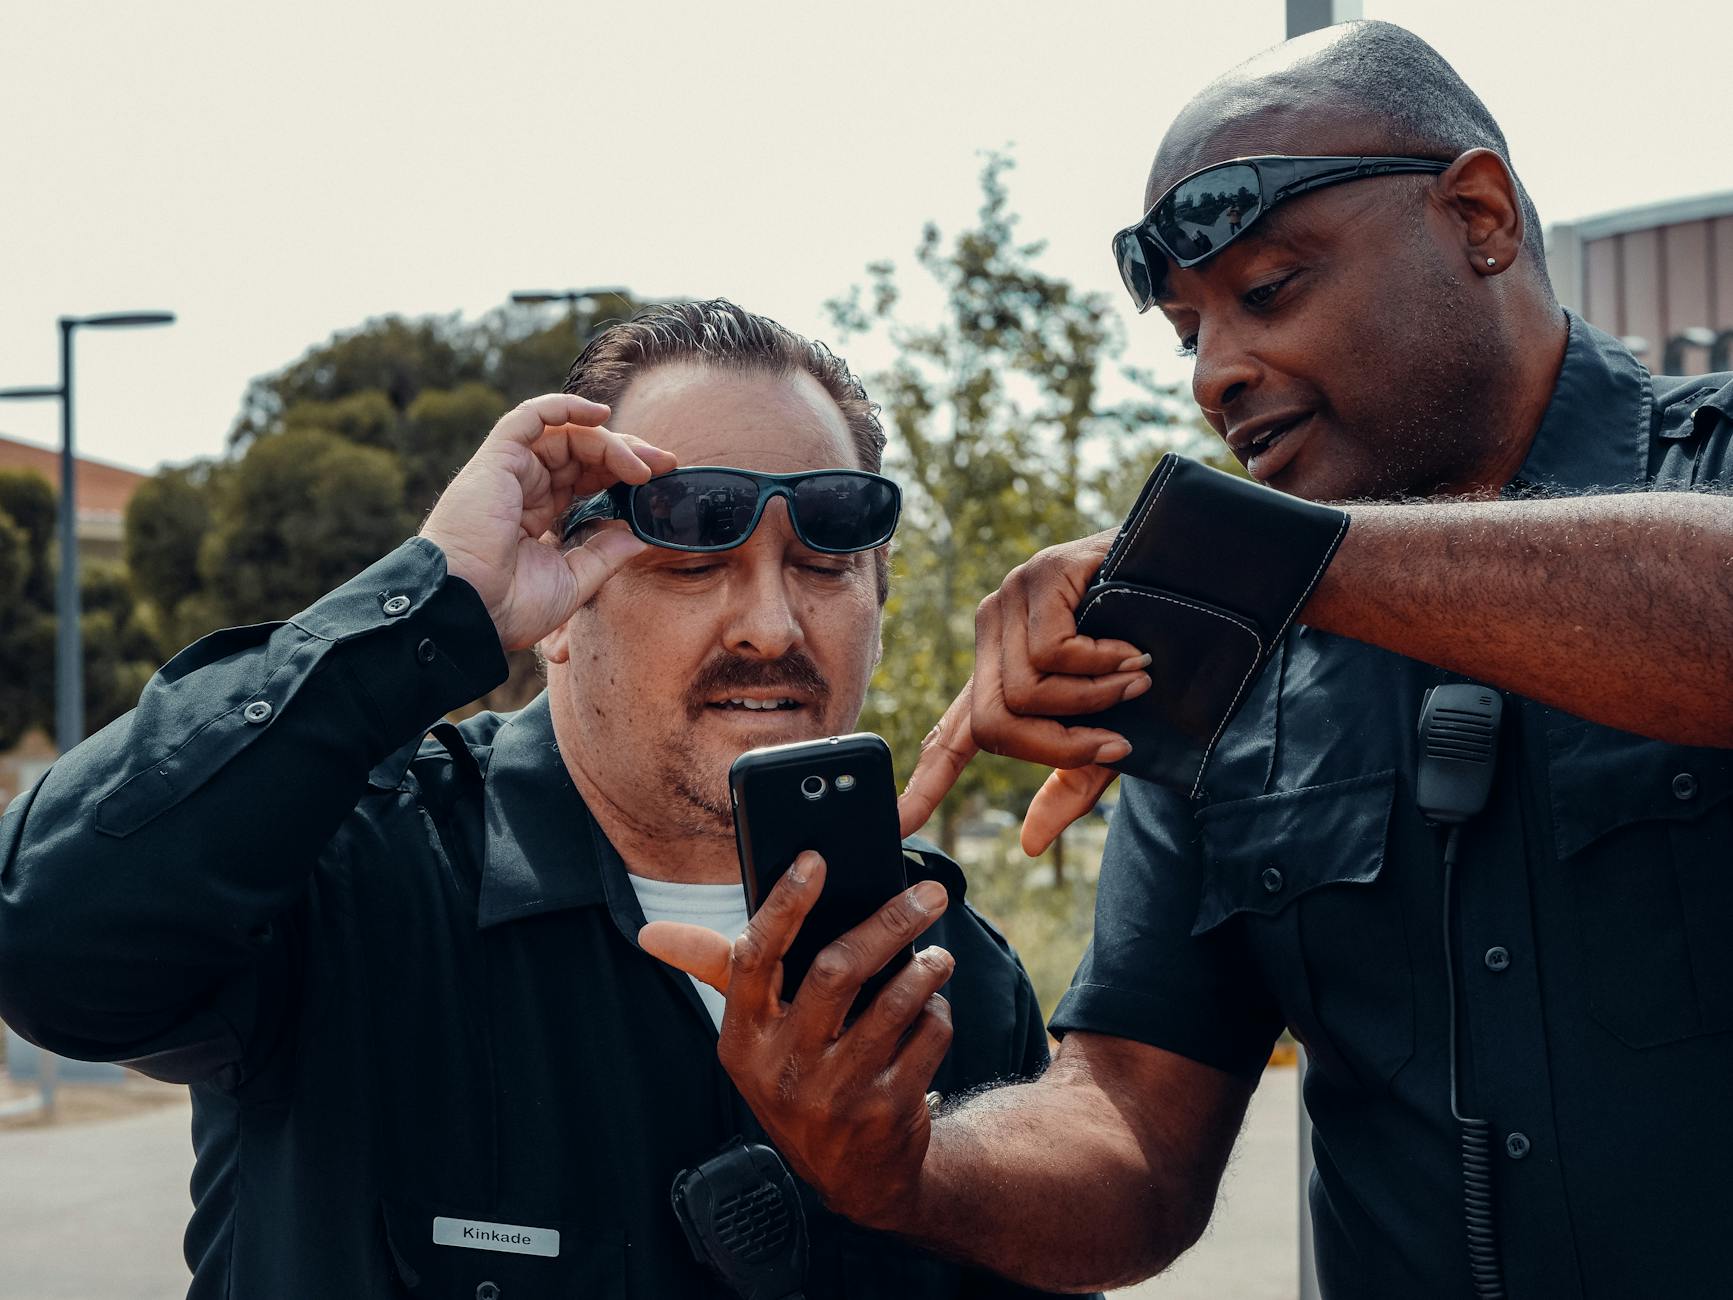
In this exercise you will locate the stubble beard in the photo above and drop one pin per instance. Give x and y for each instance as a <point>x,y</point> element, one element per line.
<point>702,803</point>
<point>1444,425</point>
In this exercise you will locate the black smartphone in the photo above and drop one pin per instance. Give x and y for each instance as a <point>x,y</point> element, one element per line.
<point>837,796</point>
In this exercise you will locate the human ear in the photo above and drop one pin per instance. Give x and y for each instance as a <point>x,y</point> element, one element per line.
<point>1480,197</point>
<point>556,646</point>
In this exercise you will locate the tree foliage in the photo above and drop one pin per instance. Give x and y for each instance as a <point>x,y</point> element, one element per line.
<point>302,513</point>
<point>27,499</point>
<point>334,460</point>
<point>1005,441</point>
<point>119,652</point>
<point>166,522</point>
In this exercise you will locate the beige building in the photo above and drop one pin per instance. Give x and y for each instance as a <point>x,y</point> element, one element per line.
<point>103,491</point>
<point>1659,276</point>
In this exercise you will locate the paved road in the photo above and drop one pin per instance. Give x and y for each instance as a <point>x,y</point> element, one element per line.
<point>95,1211</point>
<point>1251,1249</point>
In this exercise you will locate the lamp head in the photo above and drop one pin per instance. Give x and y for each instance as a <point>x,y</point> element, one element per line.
<point>114,318</point>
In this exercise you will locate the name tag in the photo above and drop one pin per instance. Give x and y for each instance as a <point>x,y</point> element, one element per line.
<point>508,1237</point>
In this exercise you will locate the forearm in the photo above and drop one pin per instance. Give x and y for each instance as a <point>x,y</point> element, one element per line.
<point>1048,1184</point>
<point>145,872</point>
<point>1614,608</point>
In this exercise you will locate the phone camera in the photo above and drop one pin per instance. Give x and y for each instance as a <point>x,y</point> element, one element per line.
<point>813,787</point>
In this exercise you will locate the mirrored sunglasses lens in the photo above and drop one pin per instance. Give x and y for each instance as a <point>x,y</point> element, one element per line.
<point>1133,270</point>
<point>1207,211</point>
<point>705,508</point>
<point>845,512</point>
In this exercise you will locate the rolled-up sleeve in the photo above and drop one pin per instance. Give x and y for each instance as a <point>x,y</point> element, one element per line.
<point>144,880</point>
<point>1145,975</point>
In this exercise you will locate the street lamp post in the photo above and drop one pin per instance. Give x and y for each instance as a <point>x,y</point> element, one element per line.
<point>68,646</point>
<point>571,297</point>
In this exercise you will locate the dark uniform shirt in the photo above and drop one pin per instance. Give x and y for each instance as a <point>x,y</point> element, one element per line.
<point>402,977</point>
<point>1594,901</point>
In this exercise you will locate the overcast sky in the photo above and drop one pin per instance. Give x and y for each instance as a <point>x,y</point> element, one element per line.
<point>275,173</point>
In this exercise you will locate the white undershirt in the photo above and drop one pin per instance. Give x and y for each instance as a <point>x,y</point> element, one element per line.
<point>721,908</point>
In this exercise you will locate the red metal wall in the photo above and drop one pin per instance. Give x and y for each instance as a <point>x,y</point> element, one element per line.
<point>1654,283</point>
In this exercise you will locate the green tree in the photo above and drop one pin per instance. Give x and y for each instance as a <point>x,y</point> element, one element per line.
<point>27,611</point>
<point>21,638</point>
<point>166,522</point>
<point>524,352</point>
<point>367,417</point>
<point>14,561</point>
<point>439,433</point>
<point>119,652</point>
<point>390,356</point>
<point>1005,444</point>
<point>273,527</point>
<point>28,500</point>
<point>301,513</point>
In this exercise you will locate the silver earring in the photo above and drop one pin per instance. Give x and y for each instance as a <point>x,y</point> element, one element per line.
<point>1492,261</point>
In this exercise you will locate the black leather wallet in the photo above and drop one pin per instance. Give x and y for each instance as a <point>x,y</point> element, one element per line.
<point>1205,576</point>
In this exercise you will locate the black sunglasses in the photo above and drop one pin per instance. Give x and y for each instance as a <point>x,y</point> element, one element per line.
<point>711,508</point>
<point>1205,212</point>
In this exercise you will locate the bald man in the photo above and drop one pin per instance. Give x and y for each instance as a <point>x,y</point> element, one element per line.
<point>1519,1080</point>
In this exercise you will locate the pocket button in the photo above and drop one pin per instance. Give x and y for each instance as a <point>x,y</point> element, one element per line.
<point>1272,880</point>
<point>487,1291</point>
<point>1684,786</point>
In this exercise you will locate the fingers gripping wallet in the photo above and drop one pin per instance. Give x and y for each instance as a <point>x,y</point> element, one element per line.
<point>1205,576</point>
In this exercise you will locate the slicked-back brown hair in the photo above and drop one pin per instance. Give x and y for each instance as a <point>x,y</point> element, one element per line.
<point>715,332</point>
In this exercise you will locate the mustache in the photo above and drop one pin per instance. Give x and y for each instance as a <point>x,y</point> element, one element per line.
<point>726,672</point>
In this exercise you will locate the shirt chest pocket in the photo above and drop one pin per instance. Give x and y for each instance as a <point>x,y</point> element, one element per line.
<point>444,1256</point>
<point>1304,873</point>
<point>1645,834</point>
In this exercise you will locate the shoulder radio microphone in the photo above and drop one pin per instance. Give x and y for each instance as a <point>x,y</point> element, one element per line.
<point>1458,747</point>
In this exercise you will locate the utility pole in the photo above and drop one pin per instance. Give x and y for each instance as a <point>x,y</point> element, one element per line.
<point>1310,16</point>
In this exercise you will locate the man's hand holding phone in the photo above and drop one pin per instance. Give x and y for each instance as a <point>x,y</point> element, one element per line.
<point>845,1104</point>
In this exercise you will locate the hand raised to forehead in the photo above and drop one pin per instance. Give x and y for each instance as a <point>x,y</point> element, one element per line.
<point>493,521</point>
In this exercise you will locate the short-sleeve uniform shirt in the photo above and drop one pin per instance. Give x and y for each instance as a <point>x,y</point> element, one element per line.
<point>1592,931</point>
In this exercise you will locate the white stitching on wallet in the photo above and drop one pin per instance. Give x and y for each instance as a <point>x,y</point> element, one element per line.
<point>1306,595</point>
<point>1257,660</point>
<point>1166,472</point>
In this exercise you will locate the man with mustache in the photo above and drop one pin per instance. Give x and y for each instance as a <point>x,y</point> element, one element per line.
<point>1520,1054</point>
<point>426,1054</point>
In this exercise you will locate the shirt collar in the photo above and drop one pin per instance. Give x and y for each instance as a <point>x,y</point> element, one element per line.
<point>541,842</point>
<point>1595,433</point>
<point>545,852</point>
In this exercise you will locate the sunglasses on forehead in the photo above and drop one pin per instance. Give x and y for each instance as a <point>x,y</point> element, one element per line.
<point>1205,212</point>
<point>712,508</point>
